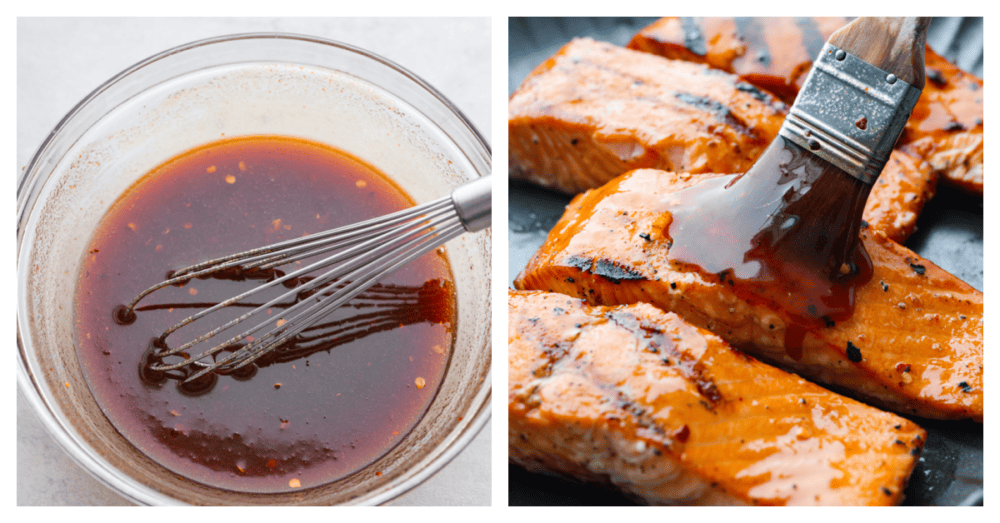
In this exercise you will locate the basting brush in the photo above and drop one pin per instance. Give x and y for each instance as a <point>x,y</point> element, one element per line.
<point>788,229</point>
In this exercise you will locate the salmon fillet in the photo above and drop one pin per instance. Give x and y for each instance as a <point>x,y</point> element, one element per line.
<point>594,111</point>
<point>914,343</point>
<point>670,414</point>
<point>775,54</point>
<point>906,184</point>
<point>947,123</point>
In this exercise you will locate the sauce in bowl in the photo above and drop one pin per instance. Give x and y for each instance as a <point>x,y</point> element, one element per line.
<point>313,411</point>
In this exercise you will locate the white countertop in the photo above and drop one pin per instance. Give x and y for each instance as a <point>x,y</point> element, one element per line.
<point>60,61</point>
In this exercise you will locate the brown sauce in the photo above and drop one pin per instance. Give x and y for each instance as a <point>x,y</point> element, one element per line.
<point>774,235</point>
<point>318,409</point>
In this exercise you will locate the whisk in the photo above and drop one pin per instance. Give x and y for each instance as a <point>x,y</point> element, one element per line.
<point>363,253</point>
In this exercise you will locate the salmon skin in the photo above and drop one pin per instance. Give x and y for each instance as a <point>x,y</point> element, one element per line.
<point>671,414</point>
<point>775,54</point>
<point>594,111</point>
<point>914,343</point>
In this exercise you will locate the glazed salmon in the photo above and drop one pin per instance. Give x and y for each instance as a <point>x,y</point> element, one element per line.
<point>775,54</point>
<point>947,123</point>
<point>671,414</point>
<point>914,343</point>
<point>594,111</point>
<point>906,184</point>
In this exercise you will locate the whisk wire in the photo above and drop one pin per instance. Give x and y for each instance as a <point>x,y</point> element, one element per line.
<point>362,254</point>
<point>323,305</point>
<point>378,246</point>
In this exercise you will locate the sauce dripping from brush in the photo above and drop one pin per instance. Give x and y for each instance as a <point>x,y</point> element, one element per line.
<point>335,399</point>
<point>773,234</point>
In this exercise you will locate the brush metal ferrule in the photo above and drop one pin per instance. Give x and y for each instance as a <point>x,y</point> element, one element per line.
<point>850,113</point>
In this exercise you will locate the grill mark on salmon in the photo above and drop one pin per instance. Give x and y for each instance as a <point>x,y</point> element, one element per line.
<point>946,124</point>
<point>670,414</point>
<point>721,112</point>
<point>594,111</point>
<point>919,332</point>
<point>694,41</point>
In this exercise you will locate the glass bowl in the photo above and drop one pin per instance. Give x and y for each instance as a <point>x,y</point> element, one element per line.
<point>248,84</point>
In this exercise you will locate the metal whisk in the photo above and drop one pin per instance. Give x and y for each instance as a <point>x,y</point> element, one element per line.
<point>363,253</point>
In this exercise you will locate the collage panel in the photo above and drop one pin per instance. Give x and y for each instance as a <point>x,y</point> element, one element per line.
<point>344,356</point>
<point>712,302</point>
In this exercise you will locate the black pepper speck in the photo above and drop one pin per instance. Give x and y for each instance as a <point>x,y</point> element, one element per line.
<point>853,352</point>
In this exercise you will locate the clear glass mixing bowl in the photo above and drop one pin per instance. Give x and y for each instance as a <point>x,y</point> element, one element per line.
<point>224,87</point>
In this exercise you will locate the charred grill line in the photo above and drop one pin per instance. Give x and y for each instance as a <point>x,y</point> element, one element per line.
<point>694,40</point>
<point>720,111</point>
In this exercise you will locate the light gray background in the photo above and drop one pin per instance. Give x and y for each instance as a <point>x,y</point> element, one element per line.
<point>60,61</point>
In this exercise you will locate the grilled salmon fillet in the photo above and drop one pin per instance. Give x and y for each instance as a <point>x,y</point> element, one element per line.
<point>775,54</point>
<point>914,343</point>
<point>947,123</point>
<point>671,414</point>
<point>906,184</point>
<point>594,111</point>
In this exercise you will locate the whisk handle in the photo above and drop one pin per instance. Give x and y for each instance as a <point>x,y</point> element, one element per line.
<point>474,203</point>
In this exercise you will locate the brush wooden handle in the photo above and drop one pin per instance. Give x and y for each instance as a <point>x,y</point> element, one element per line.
<point>895,45</point>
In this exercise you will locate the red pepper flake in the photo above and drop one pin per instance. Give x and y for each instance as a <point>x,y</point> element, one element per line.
<point>277,386</point>
<point>378,473</point>
<point>271,463</point>
<point>683,434</point>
